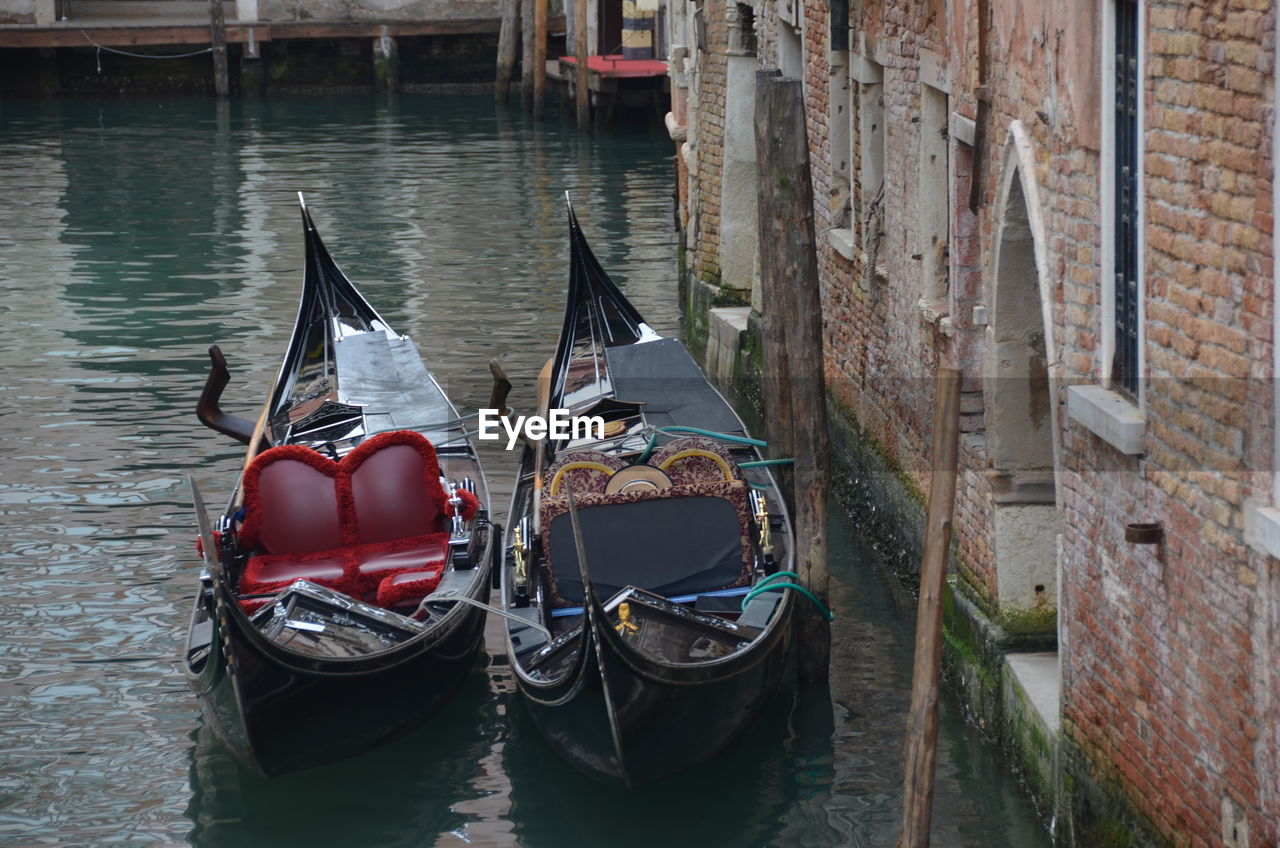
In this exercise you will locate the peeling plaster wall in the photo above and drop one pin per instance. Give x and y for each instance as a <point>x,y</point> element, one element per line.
<point>18,12</point>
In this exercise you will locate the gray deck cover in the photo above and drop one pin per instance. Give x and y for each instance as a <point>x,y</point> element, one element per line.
<point>663,376</point>
<point>387,377</point>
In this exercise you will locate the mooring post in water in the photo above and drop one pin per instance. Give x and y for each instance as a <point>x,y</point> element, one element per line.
<point>218,38</point>
<point>581,54</point>
<point>795,395</point>
<point>527,24</point>
<point>539,58</point>
<point>508,41</point>
<point>922,721</point>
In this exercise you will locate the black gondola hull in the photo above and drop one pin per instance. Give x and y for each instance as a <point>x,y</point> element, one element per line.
<point>632,709</point>
<point>629,720</point>
<point>277,717</point>
<point>346,378</point>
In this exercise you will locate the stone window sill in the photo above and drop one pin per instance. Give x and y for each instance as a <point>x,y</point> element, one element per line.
<point>1112,417</point>
<point>1266,530</point>
<point>841,239</point>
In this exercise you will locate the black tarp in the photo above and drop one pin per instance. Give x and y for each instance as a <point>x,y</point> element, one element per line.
<point>671,546</point>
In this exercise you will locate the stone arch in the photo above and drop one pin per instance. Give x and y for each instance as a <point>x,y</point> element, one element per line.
<point>1022,432</point>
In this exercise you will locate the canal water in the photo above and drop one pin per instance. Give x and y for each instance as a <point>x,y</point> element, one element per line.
<point>134,234</point>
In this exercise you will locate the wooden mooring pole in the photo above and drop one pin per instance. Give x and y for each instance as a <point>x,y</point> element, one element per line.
<point>526,54</point>
<point>508,41</point>
<point>582,95</point>
<point>539,58</point>
<point>218,38</point>
<point>795,399</point>
<point>922,721</point>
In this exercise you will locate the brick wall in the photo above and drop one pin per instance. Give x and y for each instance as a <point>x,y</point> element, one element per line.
<point>1162,685</point>
<point>705,259</point>
<point>1171,697</point>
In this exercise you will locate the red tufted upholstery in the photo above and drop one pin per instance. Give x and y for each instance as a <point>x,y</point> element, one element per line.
<point>395,487</point>
<point>299,485</point>
<point>408,587</point>
<point>348,525</point>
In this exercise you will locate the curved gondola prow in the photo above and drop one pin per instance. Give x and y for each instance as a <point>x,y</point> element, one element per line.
<point>597,314</point>
<point>328,297</point>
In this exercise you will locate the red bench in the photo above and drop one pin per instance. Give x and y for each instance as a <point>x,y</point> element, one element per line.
<point>371,525</point>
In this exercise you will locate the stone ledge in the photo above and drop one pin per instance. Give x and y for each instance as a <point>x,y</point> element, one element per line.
<point>1113,418</point>
<point>963,129</point>
<point>725,326</point>
<point>1031,704</point>
<point>841,239</point>
<point>1037,675</point>
<point>1265,530</point>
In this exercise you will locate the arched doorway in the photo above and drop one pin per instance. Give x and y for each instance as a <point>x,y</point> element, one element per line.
<point>1020,413</point>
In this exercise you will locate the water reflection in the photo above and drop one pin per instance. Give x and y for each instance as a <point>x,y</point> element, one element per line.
<point>402,794</point>
<point>738,798</point>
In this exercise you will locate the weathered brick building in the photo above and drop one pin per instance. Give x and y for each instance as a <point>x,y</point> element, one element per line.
<point>1109,292</point>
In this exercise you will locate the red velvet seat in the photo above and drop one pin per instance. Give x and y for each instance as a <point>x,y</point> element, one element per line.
<point>292,514</point>
<point>408,587</point>
<point>377,561</point>
<point>348,525</point>
<point>394,480</point>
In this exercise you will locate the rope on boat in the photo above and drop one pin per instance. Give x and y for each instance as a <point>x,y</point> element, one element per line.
<point>768,585</point>
<point>671,429</point>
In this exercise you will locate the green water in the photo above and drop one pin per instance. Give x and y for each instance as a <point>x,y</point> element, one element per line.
<point>134,234</point>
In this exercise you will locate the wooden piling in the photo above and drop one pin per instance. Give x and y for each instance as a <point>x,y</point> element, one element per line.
<point>581,54</point>
<point>922,721</point>
<point>795,400</point>
<point>218,38</point>
<point>539,58</point>
<point>526,54</point>
<point>508,44</point>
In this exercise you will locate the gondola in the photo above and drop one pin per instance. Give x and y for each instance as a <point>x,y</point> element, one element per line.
<point>648,639</point>
<point>338,602</point>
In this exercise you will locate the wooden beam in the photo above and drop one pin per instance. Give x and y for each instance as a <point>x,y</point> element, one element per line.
<point>582,94</point>
<point>128,36</point>
<point>922,720</point>
<point>197,32</point>
<point>218,41</point>
<point>793,348</point>
<point>527,24</point>
<point>508,42</point>
<point>539,57</point>
<point>465,26</point>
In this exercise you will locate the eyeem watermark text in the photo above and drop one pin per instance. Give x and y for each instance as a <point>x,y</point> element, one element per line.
<point>558,424</point>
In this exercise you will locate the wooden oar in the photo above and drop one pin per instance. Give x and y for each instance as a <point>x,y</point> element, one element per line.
<point>258,429</point>
<point>540,449</point>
